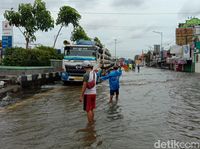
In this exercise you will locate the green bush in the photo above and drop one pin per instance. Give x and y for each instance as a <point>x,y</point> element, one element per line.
<point>39,56</point>
<point>53,53</point>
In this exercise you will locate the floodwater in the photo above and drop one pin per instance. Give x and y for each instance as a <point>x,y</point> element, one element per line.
<point>154,105</point>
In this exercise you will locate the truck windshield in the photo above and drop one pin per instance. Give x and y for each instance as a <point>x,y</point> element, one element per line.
<point>80,52</point>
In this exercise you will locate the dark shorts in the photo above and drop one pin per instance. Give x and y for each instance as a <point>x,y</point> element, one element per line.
<point>112,92</point>
<point>89,102</point>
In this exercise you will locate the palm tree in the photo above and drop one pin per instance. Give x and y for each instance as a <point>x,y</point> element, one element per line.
<point>67,15</point>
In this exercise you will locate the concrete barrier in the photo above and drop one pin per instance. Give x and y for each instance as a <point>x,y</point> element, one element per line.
<point>16,71</point>
<point>37,80</point>
<point>30,77</point>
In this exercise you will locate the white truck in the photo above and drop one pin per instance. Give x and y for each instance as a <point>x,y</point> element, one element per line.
<point>74,55</point>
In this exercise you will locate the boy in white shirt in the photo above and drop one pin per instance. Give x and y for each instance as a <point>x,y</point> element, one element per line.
<point>88,93</point>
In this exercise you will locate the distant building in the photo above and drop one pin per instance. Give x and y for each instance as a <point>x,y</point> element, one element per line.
<point>156,49</point>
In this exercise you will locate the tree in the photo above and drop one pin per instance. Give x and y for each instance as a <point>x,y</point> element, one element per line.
<point>136,57</point>
<point>30,18</point>
<point>191,22</point>
<point>79,33</point>
<point>98,42</point>
<point>67,15</point>
<point>148,57</point>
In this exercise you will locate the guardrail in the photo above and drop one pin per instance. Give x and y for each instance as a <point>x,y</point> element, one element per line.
<point>16,71</point>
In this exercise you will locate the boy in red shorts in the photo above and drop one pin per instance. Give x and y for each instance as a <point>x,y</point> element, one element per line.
<point>88,95</point>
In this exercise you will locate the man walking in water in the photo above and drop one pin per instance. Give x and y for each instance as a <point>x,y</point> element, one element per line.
<point>88,93</point>
<point>138,67</point>
<point>113,77</point>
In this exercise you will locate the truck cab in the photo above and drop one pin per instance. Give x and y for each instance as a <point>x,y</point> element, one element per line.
<point>74,55</point>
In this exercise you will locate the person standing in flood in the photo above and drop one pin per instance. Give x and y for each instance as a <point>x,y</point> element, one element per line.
<point>138,67</point>
<point>113,77</point>
<point>88,92</point>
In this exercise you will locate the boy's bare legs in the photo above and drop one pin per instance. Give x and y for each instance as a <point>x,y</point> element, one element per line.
<point>111,99</point>
<point>117,97</point>
<point>90,116</point>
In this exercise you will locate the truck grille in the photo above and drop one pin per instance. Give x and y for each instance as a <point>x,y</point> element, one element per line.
<point>77,70</point>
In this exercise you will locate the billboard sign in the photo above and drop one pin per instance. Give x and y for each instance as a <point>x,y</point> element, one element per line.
<point>186,52</point>
<point>7,35</point>
<point>7,29</point>
<point>7,41</point>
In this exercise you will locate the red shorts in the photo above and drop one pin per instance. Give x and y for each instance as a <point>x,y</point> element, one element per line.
<point>89,102</point>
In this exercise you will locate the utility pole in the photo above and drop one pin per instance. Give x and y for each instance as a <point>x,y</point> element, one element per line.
<point>161,34</point>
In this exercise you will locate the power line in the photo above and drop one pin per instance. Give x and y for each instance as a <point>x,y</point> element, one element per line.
<point>140,13</point>
<point>115,26</point>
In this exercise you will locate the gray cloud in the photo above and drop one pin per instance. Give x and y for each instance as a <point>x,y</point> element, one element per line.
<point>101,23</point>
<point>141,32</point>
<point>131,31</point>
<point>55,5</point>
<point>83,5</point>
<point>52,5</point>
<point>128,3</point>
<point>190,8</point>
<point>7,4</point>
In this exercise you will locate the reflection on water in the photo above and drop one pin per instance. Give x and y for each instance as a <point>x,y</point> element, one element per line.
<point>153,105</point>
<point>114,112</point>
<point>88,136</point>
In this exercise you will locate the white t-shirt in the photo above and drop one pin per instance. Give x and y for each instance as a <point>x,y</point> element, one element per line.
<point>92,90</point>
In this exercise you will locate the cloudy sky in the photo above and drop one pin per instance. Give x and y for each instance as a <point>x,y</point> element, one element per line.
<point>131,22</point>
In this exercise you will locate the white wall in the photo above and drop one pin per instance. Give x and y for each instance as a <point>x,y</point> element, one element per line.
<point>197,66</point>
<point>177,50</point>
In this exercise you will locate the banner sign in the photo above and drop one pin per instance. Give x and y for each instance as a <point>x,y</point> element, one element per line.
<point>7,41</point>
<point>186,52</point>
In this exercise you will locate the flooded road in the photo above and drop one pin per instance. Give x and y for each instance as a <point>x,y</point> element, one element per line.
<point>154,105</point>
